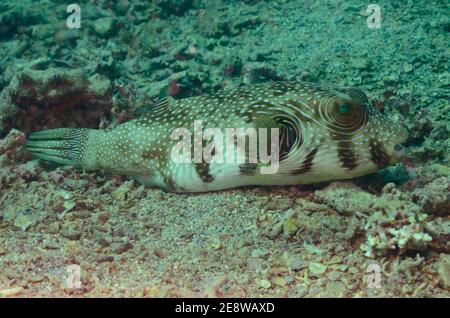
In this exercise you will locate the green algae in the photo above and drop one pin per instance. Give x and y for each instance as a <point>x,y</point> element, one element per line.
<point>317,269</point>
<point>290,226</point>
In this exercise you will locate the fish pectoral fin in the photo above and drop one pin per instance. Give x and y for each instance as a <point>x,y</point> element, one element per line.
<point>146,180</point>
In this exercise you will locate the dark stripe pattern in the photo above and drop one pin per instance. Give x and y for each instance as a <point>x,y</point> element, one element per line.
<point>346,154</point>
<point>307,162</point>
<point>203,172</point>
<point>378,155</point>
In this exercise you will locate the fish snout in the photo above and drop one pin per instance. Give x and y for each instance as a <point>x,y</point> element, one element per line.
<point>399,151</point>
<point>399,147</point>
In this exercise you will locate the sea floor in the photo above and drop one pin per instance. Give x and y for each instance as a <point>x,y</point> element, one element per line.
<point>70,233</point>
<point>132,241</point>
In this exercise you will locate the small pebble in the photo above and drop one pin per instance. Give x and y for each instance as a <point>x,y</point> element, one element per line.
<point>104,242</point>
<point>257,253</point>
<point>104,26</point>
<point>105,259</point>
<point>24,221</point>
<point>264,283</point>
<point>11,292</point>
<point>122,248</point>
<point>296,263</point>
<point>36,279</point>
<point>279,281</point>
<point>102,218</point>
<point>53,228</point>
<point>290,226</point>
<point>317,269</point>
<point>71,233</point>
<point>159,253</point>
<point>407,68</point>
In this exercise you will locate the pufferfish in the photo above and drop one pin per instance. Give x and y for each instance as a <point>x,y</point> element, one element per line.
<point>323,134</point>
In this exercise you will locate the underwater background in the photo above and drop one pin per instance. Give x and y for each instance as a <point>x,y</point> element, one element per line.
<point>66,232</point>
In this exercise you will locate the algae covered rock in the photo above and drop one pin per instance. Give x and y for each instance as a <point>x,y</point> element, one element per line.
<point>55,97</point>
<point>317,269</point>
<point>396,225</point>
<point>175,7</point>
<point>15,17</point>
<point>290,226</point>
<point>295,262</point>
<point>393,223</point>
<point>345,198</point>
<point>443,270</point>
<point>434,197</point>
<point>105,27</point>
<point>23,219</point>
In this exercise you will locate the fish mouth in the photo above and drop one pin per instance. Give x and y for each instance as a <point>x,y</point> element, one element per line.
<point>399,152</point>
<point>399,149</point>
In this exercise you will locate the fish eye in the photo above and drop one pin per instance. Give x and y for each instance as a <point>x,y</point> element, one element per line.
<point>347,114</point>
<point>344,108</point>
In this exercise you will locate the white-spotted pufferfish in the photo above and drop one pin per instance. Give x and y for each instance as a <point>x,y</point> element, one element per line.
<point>324,133</point>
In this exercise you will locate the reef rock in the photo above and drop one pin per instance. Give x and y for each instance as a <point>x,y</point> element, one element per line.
<point>54,97</point>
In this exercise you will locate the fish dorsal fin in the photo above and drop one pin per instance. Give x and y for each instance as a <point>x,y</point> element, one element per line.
<point>163,104</point>
<point>357,93</point>
<point>160,106</point>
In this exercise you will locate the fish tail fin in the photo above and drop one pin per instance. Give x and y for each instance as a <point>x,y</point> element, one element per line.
<point>66,146</point>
